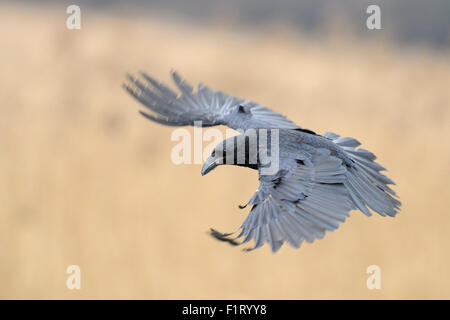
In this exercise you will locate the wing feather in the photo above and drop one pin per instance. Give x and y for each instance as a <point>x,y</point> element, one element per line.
<point>209,107</point>
<point>300,202</point>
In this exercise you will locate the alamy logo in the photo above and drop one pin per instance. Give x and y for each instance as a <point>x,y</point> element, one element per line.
<point>373,22</point>
<point>74,280</point>
<point>252,146</point>
<point>374,280</point>
<point>74,20</point>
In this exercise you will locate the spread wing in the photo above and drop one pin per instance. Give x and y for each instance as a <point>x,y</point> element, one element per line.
<point>210,107</point>
<point>303,200</point>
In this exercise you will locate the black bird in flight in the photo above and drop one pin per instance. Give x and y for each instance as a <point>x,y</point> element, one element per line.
<point>318,179</point>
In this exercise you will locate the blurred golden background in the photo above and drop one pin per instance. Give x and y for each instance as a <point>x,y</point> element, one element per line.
<point>85,180</point>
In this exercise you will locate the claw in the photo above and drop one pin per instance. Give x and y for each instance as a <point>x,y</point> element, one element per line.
<point>223,237</point>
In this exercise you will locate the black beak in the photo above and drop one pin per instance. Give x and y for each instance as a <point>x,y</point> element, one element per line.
<point>209,165</point>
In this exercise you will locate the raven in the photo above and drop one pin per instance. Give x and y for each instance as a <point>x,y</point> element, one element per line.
<point>318,179</point>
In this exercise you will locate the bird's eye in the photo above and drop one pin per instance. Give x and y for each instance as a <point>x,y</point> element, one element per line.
<point>213,154</point>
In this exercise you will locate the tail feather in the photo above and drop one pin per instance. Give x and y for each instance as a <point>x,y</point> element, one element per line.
<point>366,185</point>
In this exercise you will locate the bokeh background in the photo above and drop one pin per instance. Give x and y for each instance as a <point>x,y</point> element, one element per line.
<point>85,180</point>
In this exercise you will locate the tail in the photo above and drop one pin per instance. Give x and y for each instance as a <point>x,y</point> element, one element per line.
<point>366,185</point>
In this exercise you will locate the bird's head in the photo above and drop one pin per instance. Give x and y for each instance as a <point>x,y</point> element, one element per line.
<point>240,150</point>
<point>218,157</point>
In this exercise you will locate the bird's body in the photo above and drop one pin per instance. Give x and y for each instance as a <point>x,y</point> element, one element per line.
<point>307,186</point>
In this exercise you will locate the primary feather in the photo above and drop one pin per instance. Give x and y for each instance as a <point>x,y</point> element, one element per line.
<point>209,107</point>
